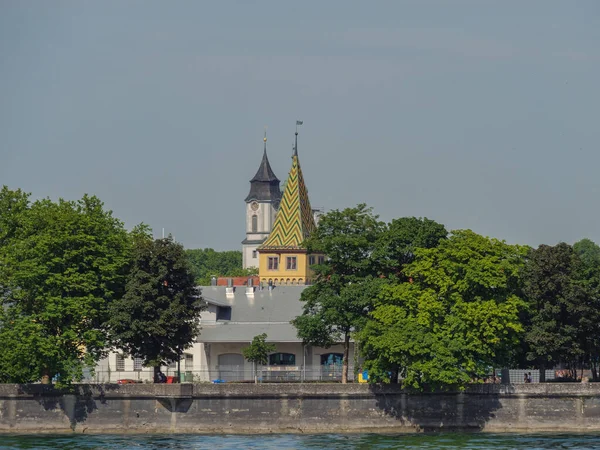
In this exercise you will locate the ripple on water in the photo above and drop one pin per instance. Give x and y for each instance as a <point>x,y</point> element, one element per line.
<point>301,442</point>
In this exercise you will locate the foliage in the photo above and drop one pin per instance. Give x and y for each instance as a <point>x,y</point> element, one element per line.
<point>589,308</point>
<point>158,317</point>
<point>337,303</point>
<point>258,350</point>
<point>396,245</point>
<point>207,262</point>
<point>550,284</point>
<point>457,318</point>
<point>61,264</point>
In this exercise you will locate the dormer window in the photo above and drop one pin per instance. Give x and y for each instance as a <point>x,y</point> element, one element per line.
<point>223,312</point>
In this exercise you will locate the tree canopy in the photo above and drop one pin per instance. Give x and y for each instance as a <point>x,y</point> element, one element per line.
<point>337,303</point>
<point>258,352</point>
<point>205,263</point>
<point>453,319</point>
<point>61,264</point>
<point>158,316</point>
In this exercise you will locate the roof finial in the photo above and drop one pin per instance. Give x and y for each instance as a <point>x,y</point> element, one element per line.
<point>298,123</point>
<point>265,139</point>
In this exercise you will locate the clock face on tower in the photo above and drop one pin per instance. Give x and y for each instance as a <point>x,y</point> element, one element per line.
<point>254,206</point>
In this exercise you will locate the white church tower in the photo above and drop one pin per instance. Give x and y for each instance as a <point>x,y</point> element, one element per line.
<point>261,207</point>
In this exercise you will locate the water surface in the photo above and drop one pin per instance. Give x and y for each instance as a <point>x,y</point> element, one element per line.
<point>301,442</point>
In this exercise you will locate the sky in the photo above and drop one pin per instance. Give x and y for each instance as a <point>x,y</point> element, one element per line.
<point>477,114</point>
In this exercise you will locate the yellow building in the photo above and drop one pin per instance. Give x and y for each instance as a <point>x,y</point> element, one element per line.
<point>282,260</point>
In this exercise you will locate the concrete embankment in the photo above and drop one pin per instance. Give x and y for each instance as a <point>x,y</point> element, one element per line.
<point>309,408</point>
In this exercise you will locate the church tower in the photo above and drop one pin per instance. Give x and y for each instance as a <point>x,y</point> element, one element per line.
<point>282,259</point>
<point>261,207</point>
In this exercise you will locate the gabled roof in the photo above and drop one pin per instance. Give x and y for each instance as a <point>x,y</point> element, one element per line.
<point>294,221</point>
<point>268,311</point>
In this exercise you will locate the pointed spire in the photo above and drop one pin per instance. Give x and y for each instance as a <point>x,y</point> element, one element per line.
<point>265,184</point>
<point>264,172</point>
<point>294,221</point>
<point>298,123</point>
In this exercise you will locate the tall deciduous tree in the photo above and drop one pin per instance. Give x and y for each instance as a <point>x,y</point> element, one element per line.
<point>337,303</point>
<point>396,246</point>
<point>456,318</point>
<point>158,317</point>
<point>550,284</point>
<point>589,316</point>
<point>61,264</point>
<point>258,352</point>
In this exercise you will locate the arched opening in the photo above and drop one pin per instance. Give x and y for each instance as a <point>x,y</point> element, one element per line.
<point>287,281</point>
<point>254,223</point>
<point>293,281</point>
<point>275,282</point>
<point>231,367</point>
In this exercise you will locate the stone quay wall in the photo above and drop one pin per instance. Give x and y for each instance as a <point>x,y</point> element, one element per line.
<point>297,408</point>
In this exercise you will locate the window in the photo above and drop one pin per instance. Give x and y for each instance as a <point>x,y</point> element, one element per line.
<point>321,259</point>
<point>273,263</point>
<point>254,253</point>
<point>189,361</point>
<point>120,363</point>
<point>311,260</point>
<point>332,359</point>
<point>137,364</point>
<point>223,312</point>
<point>291,263</point>
<point>282,359</point>
<point>254,223</point>
<point>172,365</point>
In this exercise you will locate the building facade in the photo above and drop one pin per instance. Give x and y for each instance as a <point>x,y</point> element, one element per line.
<point>276,225</point>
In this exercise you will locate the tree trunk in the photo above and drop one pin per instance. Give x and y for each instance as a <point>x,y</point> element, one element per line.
<point>394,376</point>
<point>345,359</point>
<point>542,373</point>
<point>46,378</point>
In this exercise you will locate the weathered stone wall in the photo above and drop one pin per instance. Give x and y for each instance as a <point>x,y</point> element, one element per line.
<point>248,408</point>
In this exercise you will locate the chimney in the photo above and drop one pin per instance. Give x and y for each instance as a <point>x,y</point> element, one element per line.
<point>229,290</point>
<point>250,287</point>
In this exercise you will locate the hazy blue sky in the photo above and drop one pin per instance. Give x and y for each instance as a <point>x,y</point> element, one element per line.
<point>478,114</point>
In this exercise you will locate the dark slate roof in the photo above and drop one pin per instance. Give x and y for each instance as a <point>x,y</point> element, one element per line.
<point>268,312</point>
<point>265,185</point>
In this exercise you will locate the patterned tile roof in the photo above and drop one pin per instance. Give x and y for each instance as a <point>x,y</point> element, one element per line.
<point>294,221</point>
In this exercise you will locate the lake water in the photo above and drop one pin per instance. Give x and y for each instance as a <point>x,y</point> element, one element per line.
<point>300,442</point>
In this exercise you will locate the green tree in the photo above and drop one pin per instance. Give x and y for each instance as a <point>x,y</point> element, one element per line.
<point>395,248</point>
<point>589,314</point>
<point>551,286</point>
<point>337,303</point>
<point>258,352</point>
<point>455,319</point>
<point>158,317</point>
<point>207,262</point>
<point>61,265</point>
